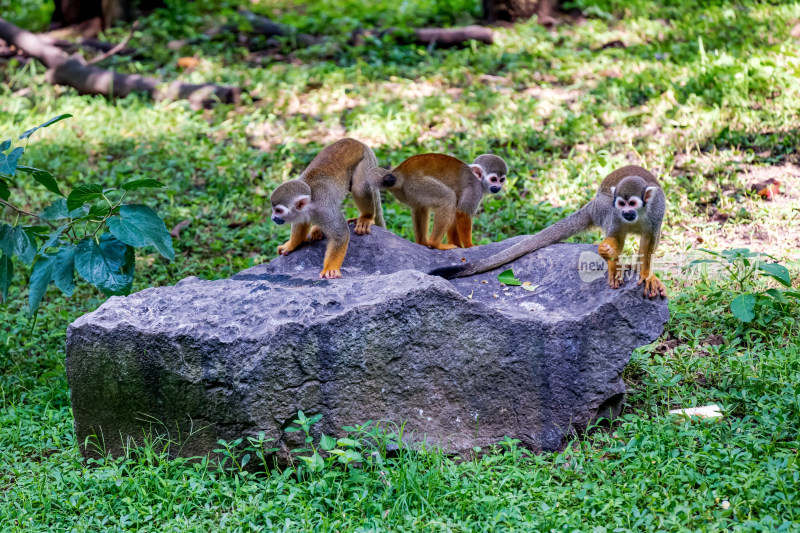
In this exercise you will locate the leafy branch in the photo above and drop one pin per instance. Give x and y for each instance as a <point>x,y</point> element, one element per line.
<point>102,254</point>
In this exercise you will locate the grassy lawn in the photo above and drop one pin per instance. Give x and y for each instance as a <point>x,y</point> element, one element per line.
<point>705,94</point>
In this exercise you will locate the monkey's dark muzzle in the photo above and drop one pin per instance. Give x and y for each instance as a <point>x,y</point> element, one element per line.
<point>630,216</point>
<point>495,189</point>
<point>278,220</point>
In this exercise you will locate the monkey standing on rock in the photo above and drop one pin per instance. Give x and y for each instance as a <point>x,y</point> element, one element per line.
<point>446,185</point>
<point>316,198</point>
<point>629,200</point>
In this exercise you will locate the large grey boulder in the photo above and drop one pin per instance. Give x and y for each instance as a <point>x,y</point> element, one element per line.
<point>463,363</point>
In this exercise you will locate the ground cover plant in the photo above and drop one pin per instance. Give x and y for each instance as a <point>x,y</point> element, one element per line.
<point>705,94</point>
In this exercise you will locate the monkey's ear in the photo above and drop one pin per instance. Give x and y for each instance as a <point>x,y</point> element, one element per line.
<point>477,170</point>
<point>613,190</point>
<point>648,194</point>
<point>302,202</point>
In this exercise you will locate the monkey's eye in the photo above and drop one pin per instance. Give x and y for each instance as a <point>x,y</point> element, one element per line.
<point>620,203</point>
<point>502,179</point>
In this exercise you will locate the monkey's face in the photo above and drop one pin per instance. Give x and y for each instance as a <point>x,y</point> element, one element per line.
<point>291,202</point>
<point>628,208</point>
<point>293,211</point>
<point>492,181</point>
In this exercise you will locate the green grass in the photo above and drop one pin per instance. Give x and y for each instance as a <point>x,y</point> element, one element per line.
<point>705,94</point>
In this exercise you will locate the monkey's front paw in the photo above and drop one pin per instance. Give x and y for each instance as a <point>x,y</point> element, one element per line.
<point>606,250</point>
<point>363,225</point>
<point>616,275</point>
<point>653,287</point>
<point>285,248</point>
<point>331,273</point>
<point>315,234</point>
<point>442,246</point>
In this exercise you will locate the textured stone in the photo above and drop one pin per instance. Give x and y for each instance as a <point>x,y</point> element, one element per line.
<point>463,363</point>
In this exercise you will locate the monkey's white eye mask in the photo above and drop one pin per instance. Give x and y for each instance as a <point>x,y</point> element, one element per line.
<point>628,209</point>
<point>293,213</point>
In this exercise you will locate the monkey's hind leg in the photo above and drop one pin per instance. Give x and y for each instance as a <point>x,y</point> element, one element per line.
<point>367,212</point>
<point>653,287</point>
<point>464,228</point>
<point>452,235</point>
<point>316,233</point>
<point>443,219</point>
<point>420,216</point>
<point>338,234</point>
<point>366,197</point>
<point>298,237</point>
<point>609,250</point>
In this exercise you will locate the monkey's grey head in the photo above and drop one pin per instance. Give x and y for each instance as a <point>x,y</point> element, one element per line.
<point>630,198</point>
<point>291,202</point>
<point>491,170</point>
<point>382,178</point>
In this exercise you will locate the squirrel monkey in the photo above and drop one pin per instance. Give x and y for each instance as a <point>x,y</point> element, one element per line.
<point>629,200</point>
<point>448,187</point>
<point>316,198</point>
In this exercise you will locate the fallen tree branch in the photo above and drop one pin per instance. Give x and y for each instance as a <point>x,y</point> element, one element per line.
<point>92,45</point>
<point>73,71</point>
<point>459,36</point>
<point>269,28</point>
<point>116,49</point>
<point>259,25</point>
<point>454,36</point>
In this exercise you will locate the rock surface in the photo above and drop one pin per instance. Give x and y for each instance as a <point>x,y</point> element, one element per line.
<point>463,363</point>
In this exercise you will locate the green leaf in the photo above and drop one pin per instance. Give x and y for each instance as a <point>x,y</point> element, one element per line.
<point>327,443</point>
<point>318,462</point>
<point>16,240</point>
<point>57,267</point>
<point>779,272</point>
<point>777,295</point>
<point>5,192</point>
<point>138,225</point>
<point>8,163</point>
<point>56,211</point>
<point>5,145</point>
<point>82,194</point>
<point>743,307</point>
<point>108,265</point>
<point>98,211</point>
<point>43,177</point>
<point>353,455</point>
<point>141,184</point>
<point>64,269</point>
<point>41,275</point>
<point>46,124</point>
<point>53,239</point>
<point>6,273</point>
<point>528,286</point>
<point>507,277</point>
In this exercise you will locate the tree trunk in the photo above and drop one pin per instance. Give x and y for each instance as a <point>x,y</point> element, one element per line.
<point>513,10</point>
<point>73,12</point>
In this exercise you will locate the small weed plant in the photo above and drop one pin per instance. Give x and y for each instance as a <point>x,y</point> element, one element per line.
<point>745,272</point>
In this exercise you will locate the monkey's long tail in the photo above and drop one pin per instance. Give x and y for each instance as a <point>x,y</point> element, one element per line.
<point>563,229</point>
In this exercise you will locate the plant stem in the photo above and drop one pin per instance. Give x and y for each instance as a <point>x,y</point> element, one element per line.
<point>26,213</point>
